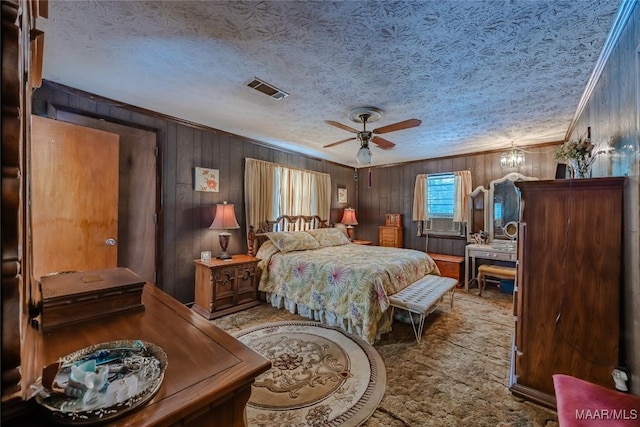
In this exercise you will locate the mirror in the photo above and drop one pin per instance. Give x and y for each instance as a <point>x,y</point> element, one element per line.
<point>504,206</point>
<point>477,212</point>
<point>511,230</point>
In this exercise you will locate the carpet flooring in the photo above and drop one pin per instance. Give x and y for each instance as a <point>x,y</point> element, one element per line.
<point>457,375</point>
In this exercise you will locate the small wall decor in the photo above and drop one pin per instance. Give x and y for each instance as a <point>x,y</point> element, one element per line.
<point>206,180</point>
<point>342,195</point>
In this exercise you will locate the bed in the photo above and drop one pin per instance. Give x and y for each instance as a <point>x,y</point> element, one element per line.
<point>315,271</point>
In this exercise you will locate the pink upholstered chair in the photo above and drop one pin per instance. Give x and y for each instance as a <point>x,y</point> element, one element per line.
<point>584,404</point>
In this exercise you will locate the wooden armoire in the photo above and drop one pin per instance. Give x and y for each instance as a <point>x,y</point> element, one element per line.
<point>567,298</point>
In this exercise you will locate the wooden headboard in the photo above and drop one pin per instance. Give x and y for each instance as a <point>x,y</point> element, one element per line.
<point>282,223</point>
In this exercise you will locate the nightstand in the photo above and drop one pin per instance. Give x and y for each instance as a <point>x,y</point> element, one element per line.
<point>361,242</point>
<point>225,286</point>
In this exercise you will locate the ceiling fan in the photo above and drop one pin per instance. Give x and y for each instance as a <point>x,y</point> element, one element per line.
<point>366,115</point>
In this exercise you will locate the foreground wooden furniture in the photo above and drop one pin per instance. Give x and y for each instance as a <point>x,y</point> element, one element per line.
<point>68,298</point>
<point>225,286</point>
<point>567,302</point>
<point>583,404</point>
<point>450,266</point>
<point>390,236</point>
<point>209,373</point>
<point>421,297</point>
<point>496,271</point>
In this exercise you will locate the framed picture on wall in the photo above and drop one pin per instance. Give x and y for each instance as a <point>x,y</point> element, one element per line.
<point>342,195</point>
<point>206,180</point>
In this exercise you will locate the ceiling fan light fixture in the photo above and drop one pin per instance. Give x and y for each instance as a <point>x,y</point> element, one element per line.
<point>364,155</point>
<point>367,115</point>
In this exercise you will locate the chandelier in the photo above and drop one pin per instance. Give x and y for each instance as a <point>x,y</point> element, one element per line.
<point>512,159</point>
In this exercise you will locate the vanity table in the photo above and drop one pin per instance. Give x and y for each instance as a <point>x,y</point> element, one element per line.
<point>494,252</point>
<point>495,212</point>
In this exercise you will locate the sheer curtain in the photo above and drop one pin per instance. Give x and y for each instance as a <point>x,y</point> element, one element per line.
<point>295,192</point>
<point>462,188</point>
<point>304,192</point>
<point>272,190</point>
<point>260,189</point>
<point>420,206</point>
<point>322,196</point>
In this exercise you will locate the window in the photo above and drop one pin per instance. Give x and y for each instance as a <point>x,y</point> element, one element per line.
<point>440,202</point>
<point>440,195</point>
<point>441,205</point>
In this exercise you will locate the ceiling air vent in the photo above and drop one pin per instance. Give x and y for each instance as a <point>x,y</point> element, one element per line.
<point>267,89</point>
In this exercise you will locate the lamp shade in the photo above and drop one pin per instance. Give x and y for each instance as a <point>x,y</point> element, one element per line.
<point>349,217</point>
<point>225,217</point>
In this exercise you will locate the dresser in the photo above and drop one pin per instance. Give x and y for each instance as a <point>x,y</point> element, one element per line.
<point>225,286</point>
<point>567,295</point>
<point>390,236</point>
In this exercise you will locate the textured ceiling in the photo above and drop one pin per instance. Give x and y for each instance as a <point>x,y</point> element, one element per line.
<point>479,74</point>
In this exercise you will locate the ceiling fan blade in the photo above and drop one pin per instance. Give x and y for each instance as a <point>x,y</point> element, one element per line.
<point>382,143</point>
<point>339,142</point>
<point>341,126</point>
<point>411,123</point>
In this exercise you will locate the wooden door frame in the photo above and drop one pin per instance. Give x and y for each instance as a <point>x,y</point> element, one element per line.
<point>52,110</point>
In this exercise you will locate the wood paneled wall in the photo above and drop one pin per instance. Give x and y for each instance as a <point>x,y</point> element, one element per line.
<point>392,189</point>
<point>187,214</point>
<point>14,101</point>
<point>612,113</point>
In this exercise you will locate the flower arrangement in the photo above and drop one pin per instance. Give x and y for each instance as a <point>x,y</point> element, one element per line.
<point>579,154</point>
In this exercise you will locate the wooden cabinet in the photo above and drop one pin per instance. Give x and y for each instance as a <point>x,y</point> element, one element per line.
<point>390,236</point>
<point>393,220</point>
<point>450,266</point>
<point>225,286</point>
<point>567,297</point>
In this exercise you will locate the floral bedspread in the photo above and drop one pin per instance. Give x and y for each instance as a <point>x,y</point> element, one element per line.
<point>353,281</point>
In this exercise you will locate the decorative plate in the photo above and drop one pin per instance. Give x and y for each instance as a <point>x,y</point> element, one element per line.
<point>103,381</point>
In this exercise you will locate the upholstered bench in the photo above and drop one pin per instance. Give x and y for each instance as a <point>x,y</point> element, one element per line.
<point>421,297</point>
<point>496,271</point>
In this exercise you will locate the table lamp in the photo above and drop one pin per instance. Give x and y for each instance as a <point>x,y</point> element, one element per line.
<point>349,219</point>
<point>224,220</point>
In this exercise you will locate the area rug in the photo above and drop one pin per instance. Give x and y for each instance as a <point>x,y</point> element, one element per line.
<point>320,376</point>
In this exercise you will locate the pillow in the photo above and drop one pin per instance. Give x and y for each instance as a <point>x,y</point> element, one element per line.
<point>266,251</point>
<point>329,237</point>
<point>288,241</point>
